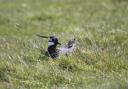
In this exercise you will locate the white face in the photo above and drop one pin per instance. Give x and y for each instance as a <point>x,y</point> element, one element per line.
<point>50,43</point>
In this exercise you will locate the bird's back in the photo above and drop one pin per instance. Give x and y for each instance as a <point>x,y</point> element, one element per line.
<point>68,48</point>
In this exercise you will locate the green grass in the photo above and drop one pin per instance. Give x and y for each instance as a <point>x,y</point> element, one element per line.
<point>99,26</point>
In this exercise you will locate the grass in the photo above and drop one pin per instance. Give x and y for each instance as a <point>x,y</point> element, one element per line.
<point>99,26</point>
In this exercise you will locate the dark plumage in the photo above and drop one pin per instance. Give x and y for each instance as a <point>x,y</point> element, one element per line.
<point>52,44</point>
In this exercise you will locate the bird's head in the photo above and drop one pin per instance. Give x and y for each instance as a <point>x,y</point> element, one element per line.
<point>53,41</point>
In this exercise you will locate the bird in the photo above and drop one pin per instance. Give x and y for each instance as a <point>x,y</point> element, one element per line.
<point>53,51</point>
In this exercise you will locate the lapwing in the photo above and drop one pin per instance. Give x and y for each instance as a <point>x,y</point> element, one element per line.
<point>53,51</point>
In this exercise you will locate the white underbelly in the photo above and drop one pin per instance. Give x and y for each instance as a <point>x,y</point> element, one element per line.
<point>64,50</point>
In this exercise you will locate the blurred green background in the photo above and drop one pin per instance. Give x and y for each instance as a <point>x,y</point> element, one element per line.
<point>99,26</point>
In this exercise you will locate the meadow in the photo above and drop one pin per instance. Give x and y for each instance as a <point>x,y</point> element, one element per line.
<point>100,60</point>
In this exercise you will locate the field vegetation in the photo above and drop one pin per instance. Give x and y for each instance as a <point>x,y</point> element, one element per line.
<point>100,60</point>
